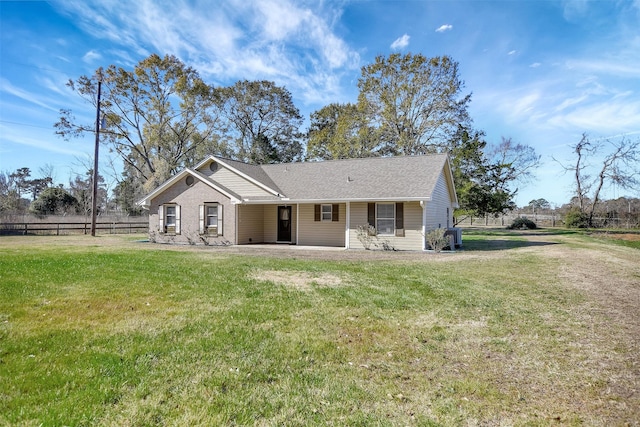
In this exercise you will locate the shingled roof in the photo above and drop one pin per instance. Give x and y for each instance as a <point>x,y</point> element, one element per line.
<point>377,178</point>
<point>374,178</point>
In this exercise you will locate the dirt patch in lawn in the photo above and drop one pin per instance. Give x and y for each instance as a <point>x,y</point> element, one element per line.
<point>629,237</point>
<point>298,279</point>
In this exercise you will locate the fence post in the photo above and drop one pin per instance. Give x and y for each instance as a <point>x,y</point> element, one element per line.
<point>58,229</point>
<point>25,228</point>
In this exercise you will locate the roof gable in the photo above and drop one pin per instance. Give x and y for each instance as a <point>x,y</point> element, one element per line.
<point>252,173</point>
<point>146,200</point>
<point>375,179</point>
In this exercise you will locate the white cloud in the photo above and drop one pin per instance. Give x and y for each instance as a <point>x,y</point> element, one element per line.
<point>535,65</point>
<point>43,141</point>
<point>523,106</point>
<point>606,116</point>
<point>512,52</point>
<point>605,66</point>
<point>279,20</point>
<point>443,28</point>
<point>91,57</point>
<point>400,42</point>
<point>7,87</point>
<point>293,45</point>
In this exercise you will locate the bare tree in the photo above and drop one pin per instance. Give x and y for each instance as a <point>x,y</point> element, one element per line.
<point>619,165</point>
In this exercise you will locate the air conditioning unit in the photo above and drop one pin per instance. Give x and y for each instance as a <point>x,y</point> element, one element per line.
<point>456,233</point>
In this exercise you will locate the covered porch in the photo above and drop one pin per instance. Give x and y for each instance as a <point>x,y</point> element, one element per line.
<point>307,224</point>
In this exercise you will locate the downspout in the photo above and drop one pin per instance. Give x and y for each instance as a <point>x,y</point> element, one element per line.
<point>423,204</point>
<point>236,208</point>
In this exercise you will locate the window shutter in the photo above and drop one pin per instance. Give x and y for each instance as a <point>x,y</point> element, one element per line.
<point>316,212</point>
<point>400,219</point>
<point>177,219</point>
<point>161,218</point>
<point>399,215</point>
<point>335,213</point>
<point>220,222</point>
<point>371,214</point>
<point>202,219</point>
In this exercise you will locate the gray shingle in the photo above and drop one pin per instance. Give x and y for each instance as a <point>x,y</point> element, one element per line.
<point>352,179</point>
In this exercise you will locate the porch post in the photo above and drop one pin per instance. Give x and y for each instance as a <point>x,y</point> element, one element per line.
<point>347,244</point>
<point>236,214</point>
<point>424,224</point>
<point>297,222</point>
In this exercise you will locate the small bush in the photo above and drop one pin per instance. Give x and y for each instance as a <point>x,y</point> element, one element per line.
<point>437,240</point>
<point>366,235</point>
<point>575,218</point>
<point>522,223</point>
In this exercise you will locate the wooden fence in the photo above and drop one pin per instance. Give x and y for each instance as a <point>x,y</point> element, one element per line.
<point>544,220</point>
<point>62,228</point>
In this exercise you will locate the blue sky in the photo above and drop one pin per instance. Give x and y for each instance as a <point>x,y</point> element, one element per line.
<point>541,72</point>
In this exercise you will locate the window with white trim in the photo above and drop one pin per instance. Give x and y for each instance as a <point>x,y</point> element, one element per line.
<point>211,219</point>
<point>386,218</point>
<point>212,215</point>
<point>169,218</point>
<point>327,212</point>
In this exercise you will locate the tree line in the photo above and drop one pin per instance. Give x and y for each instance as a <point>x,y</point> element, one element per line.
<point>162,116</point>
<point>20,193</point>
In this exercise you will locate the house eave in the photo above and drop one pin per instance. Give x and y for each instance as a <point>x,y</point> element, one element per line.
<point>288,201</point>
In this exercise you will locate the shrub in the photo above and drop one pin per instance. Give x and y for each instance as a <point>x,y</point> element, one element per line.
<point>575,218</point>
<point>54,200</point>
<point>366,235</point>
<point>437,240</point>
<point>522,223</point>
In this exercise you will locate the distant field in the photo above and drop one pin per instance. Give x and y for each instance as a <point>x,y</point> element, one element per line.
<point>519,328</point>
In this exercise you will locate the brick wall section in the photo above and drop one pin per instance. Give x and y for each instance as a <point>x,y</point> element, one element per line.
<point>189,199</point>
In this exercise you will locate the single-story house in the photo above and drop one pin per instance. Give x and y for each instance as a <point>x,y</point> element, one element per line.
<point>227,202</point>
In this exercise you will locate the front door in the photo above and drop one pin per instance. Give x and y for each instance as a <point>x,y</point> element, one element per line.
<point>284,223</point>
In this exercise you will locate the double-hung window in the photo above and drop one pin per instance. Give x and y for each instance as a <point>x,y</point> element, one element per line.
<point>386,218</point>
<point>212,215</point>
<point>211,219</point>
<point>327,213</point>
<point>169,218</point>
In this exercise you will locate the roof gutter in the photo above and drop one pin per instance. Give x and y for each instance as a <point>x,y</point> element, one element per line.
<point>309,201</point>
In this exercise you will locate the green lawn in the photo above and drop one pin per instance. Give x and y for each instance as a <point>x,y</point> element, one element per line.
<point>132,333</point>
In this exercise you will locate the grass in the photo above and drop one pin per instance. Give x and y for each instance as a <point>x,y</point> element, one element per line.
<point>135,335</point>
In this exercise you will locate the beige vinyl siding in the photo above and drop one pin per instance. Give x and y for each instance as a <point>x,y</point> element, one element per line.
<point>190,198</point>
<point>412,240</point>
<point>251,224</point>
<point>236,183</point>
<point>270,223</point>
<point>437,208</point>
<point>321,233</point>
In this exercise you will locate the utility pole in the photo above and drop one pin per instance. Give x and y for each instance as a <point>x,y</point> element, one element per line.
<point>94,201</point>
